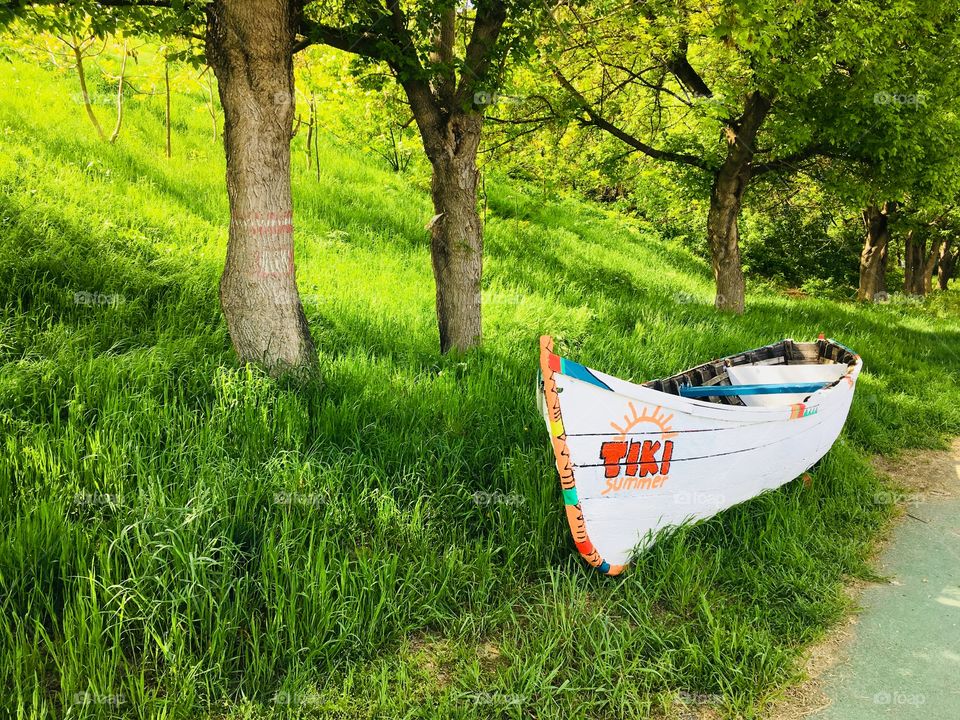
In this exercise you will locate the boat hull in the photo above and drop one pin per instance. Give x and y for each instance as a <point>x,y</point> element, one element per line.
<point>634,461</point>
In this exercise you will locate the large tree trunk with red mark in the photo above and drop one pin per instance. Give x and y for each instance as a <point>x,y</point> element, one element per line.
<point>249,46</point>
<point>873,259</point>
<point>726,199</point>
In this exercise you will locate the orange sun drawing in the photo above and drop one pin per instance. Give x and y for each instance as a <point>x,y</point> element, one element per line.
<point>633,418</point>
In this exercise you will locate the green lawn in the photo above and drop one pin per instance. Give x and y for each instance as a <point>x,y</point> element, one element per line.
<point>184,537</point>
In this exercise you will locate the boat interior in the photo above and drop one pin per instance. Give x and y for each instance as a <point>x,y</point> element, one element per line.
<point>783,373</point>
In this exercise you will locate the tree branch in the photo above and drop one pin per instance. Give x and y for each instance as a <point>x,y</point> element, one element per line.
<point>444,39</point>
<point>596,120</point>
<point>491,15</point>
<point>689,79</point>
<point>367,40</point>
<point>638,77</point>
<point>789,162</point>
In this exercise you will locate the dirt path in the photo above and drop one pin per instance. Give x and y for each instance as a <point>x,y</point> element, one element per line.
<point>899,657</point>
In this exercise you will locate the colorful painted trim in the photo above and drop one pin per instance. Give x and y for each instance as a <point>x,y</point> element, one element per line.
<point>578,371</point>
<point>549,365</point>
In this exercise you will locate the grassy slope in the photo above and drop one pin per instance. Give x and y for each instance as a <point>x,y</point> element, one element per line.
<point>179,531</point>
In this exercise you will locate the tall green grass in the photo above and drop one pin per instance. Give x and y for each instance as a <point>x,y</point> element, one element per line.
<point>184,537</point>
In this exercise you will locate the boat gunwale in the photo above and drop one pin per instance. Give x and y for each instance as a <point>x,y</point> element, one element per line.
<point>752,414</point>
<point>766,412</point>
<point>780,349</point>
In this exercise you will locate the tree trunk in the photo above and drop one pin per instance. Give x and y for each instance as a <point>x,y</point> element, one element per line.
<point>930,265</point>
<point>211,105</point>
<point>456,234</point>
<point>450,140</point>
<point>166,85</point>
<point>123,68</point>
<point>723,235</point>
<point>913,257</point>
<point>726,199</point>
<point>249,45</point>
<point>873,259</point>
<point>948,264</point>
<point>919,263</point>
<point>313,120</point>
<point>82,75</point>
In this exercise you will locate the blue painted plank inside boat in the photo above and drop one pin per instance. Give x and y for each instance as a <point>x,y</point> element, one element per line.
<point>689,391</point>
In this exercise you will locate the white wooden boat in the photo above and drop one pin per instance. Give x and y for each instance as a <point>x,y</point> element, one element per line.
<point>635,459</point>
